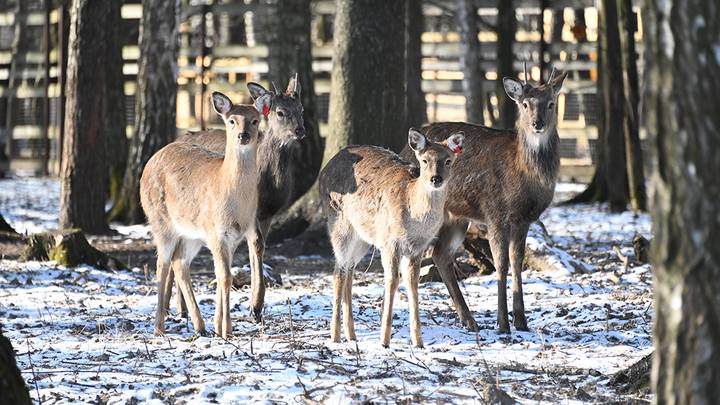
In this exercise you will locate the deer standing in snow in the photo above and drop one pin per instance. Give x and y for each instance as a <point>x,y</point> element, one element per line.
<point>503,181</point>
<point>276,158</point>
<point>193,196</point>
<point>371,199</point>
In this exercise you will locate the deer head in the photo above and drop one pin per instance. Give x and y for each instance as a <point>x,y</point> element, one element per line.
<point>283,110</point>
<point>435,159</point>
<point>536,104</point>
<point>241,122</point>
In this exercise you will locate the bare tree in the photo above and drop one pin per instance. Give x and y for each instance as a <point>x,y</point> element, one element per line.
<point>14,389</point>
<point>684,128</point>
<point>84,170</point>
<point>414,28</point>
<point>506,29</point>
<point>155,100</point>
<point>116,139</point>
<point>467,21</point>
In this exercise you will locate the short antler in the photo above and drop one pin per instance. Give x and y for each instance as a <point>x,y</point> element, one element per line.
<point>275,89</point>
<point>552,73</point>
<point>525,70</point>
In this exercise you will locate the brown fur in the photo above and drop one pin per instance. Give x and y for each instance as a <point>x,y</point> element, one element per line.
<point>371,199</point>
<point>503,180</point>
<point>193,196</point>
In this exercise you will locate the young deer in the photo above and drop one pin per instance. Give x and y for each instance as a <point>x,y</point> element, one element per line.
<point>193,196</point>
<point>371,199</point>
<point>276,157</point>
<point>504,181</point>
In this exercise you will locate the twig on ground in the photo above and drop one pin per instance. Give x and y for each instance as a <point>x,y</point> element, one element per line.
<point>32,369</point>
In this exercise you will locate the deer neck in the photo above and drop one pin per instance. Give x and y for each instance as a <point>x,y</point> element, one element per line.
<point>538,154</point>
<point>423,201</point>
<point>239,165</point>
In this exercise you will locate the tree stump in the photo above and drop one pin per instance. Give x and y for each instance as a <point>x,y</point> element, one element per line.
<point>12,385</point>
<point>68,247</point>
<point>642,248</point>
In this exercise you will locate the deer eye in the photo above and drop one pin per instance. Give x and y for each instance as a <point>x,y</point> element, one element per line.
<point>255,122</point>
<point>424,161</point>
<point>525,104</point>
<point>550,106</point>
<point>280,113</point>
<point>447,162</point>
<point>231,121</point>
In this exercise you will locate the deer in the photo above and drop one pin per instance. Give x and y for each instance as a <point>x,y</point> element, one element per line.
<point>370,198</point>
<point>503,182</point>
<point>276,156</point>
<point>194,196</point>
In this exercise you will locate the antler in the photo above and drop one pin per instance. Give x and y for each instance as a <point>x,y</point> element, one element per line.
<point>525,70</point>
<point>552,73</point>
<point>275,89</point>
<point>295,83</point>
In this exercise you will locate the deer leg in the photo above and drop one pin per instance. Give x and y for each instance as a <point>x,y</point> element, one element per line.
<point>179,301</point>
<point>163,268</point>
<point>412,277</point>
<point>499,248</point>
<point>169,281</point>
<point>256,249</point>
<point>337,300</point>
<point>390,266</point>
<point>348,321</point>
<point>450,238</point>
<point>223,326</point>
<point>517,254</point>
<point>182,258</point>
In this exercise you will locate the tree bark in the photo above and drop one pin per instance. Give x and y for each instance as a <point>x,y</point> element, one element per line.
<point>414,28</point>
<point>633,151</point>
<point>116,145</point>
<point>290,52</point>
<point>684,128</point>
<point>17,64</point>
<point>14,390</point>
<point>84,170</point>
<point>367,102</point>
<point>470,58</point>
<point>156,94</point>
<point>543,49</point>
<point>506,29</point>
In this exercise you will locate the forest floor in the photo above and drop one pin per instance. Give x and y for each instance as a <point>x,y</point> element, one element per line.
<point>84,335</point>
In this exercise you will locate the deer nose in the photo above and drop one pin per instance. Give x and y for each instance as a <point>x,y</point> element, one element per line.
<point>436,180</point>
<point>538,124</point>
<point>300,132</point>
<point>244,138</point>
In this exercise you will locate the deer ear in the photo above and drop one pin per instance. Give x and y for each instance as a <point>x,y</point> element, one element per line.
<point>221,103</point>
<point>513,88</point>
<point>557,82</point>
<point>256,90</point>
<point>293,87</point>
<point>263,104</point>
<point>455,142</point>
<point>416,140</point>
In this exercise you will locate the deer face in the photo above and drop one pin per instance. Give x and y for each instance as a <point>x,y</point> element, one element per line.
<point>435,159</point>
<point>536,105</point>
<point>241,121</point>
<point>284,111</point>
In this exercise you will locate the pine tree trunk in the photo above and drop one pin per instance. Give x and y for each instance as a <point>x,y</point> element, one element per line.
<point>290,52</point>
<point>414,28</point>
<point>506,29</point>
<point>613,103</point>
<point>84,170</point>
<point>684,128</point>
<point>156,94</point>
<point>470,58</point>
<point>633,152</point>
<point>116,139</point>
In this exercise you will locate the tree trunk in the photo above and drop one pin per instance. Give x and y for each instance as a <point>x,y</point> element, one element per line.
<point>684,128</point>
<point>472,83</point>
<point>84,169</point>
<point>506,28</point>
<point>116,139</point>
<point>17,64</point>
<point>414,28</point>
<point>155,100</point>
<point>290,52</point>
<point>633,151</point>
<point>543,49</point>
<point>13,386</point>
<point>367,95</point>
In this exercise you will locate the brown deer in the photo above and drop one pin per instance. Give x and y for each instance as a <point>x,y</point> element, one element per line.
<point>193,196</point>
<point>371,199</point>
<point>503,181</point>
<point>276,156</point>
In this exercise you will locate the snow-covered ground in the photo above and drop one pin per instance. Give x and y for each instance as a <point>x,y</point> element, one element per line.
<point>86,336</point>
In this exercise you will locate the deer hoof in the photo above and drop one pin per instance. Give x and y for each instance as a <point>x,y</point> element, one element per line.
<point>257,314</point>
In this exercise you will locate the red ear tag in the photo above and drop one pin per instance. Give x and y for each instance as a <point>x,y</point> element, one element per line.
<point>266,110</point>
<point>457,150</point>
